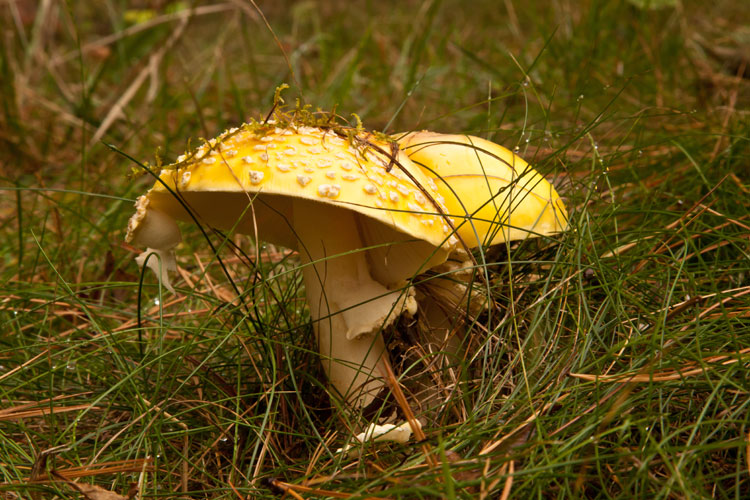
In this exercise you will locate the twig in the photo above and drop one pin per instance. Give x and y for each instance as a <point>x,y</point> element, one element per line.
<point>137,28</point>
<point>116,110</point>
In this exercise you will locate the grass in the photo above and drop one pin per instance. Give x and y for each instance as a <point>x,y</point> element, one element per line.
<point>614,364</point>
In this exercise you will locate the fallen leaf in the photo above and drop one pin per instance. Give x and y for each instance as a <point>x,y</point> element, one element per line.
<point>93,492</point>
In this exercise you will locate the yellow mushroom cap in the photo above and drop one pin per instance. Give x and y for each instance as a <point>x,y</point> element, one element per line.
<point>492,194</point>
<point>246,178</point>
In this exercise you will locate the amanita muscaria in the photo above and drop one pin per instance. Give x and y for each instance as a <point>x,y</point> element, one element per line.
<point>364,218</point>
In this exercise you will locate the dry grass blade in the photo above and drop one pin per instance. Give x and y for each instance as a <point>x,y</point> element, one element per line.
<point>507,470</point>
<point>508,482</point>
<point>688,370</point>
<point>19,412</point>
<point>294,489</point>
<point>416,427</point>
<point>101,469</point>
<point>25,364</point>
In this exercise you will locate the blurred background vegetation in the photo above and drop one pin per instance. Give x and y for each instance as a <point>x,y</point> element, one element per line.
<point>617,365</point>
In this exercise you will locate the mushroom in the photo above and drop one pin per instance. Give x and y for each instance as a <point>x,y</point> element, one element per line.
<point>363,218</point>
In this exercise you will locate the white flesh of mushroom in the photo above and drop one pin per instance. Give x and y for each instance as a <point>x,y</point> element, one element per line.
<point>374,432</point>
<point>348,307</point>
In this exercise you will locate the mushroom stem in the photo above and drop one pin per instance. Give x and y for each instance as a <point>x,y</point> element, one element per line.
<point>348,307</point>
